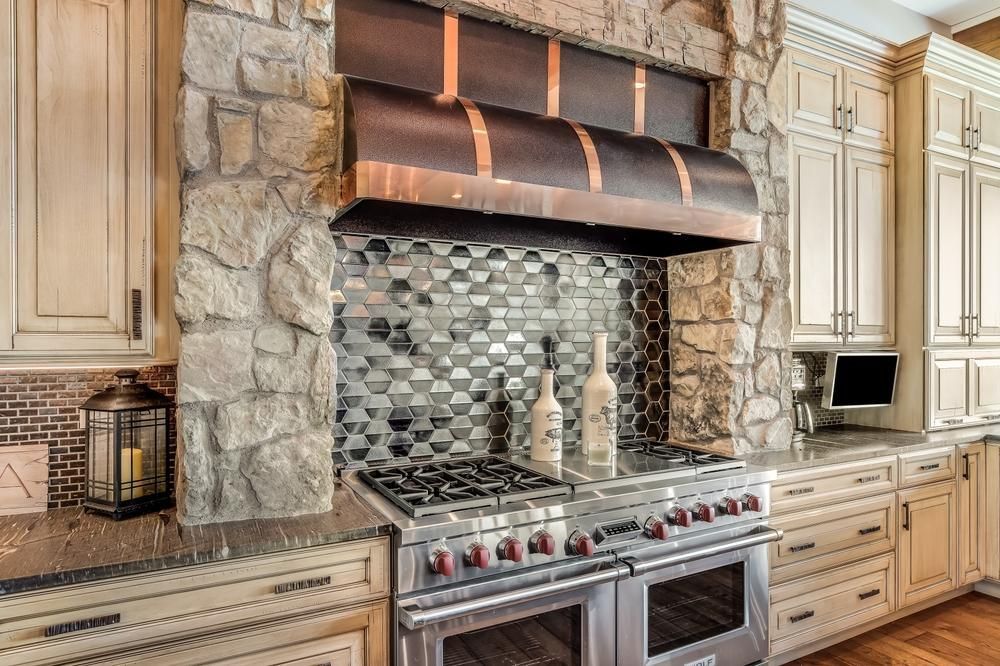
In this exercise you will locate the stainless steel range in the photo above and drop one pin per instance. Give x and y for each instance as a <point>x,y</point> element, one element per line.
<point>658,559</point>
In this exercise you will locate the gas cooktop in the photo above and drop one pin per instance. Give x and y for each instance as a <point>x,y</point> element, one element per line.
<point>453,485</point>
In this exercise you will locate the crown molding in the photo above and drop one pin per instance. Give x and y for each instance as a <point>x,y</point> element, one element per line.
<point>941,55</point>
<point>811,31</point>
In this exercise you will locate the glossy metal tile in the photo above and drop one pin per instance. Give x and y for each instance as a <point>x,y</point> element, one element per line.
<point>439,343</point>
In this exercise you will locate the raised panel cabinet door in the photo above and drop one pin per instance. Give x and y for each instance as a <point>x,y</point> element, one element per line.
<point>985,252</point>
<point>971,513</point>
<point>870,115</point>
<point>947,250</point>
<point>948,393</point>
<point>815,96</point>
<point>81,145</point>
<point>948,117</point>
<point>869,244</point>
<point>986,128</point>
<point>927,535</point>
<point>984,387</point>
<point>815,239</point>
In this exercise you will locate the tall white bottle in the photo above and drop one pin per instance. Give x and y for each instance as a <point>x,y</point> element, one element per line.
<point>600,406</point>
<point>546,416</point>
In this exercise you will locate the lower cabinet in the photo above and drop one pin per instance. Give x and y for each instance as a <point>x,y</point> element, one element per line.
<point>972,532</point>
<point>927,549</point>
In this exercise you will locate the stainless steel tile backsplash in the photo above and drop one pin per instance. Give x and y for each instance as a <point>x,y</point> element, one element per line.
<point>439,343</point>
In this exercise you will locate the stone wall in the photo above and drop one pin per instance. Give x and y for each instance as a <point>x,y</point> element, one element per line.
<point>256,132</point>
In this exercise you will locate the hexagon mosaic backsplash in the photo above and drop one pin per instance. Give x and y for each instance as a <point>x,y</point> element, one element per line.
<point>439,343</point>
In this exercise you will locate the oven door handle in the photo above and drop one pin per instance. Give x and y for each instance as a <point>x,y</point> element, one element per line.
<point>756,538</point>
<point>412,616</point>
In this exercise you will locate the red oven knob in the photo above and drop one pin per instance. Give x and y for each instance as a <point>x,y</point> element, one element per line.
<point>477,555</point>
<point>752,503</point>
<point>704,512</point>
<point>730,507</point>
<point>542,542</point>
<point>511,549</point>
<point>442,562</point>
<point>656,528</point>
<point>581,544</point>
<point>680,516</point>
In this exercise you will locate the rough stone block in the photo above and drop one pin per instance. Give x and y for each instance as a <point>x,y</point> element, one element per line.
<point>211,46</point>
<point>297,136</point>
<point>235,142</point>
<point>206,289</point>
<point>214,366</point>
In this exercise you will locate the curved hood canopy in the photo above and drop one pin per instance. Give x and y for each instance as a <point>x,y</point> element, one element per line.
<point>408,146</point>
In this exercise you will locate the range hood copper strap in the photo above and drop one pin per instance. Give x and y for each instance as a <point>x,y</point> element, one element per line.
<point>590,152</point>
<point>552,108</point>
<point>687,199</point>
<point>639,126</point>
<point>450,53</point>
<point>480,137</point>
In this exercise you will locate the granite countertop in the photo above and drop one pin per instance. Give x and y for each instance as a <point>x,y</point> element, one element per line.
<point>66,546</point>
<point>847,443</point>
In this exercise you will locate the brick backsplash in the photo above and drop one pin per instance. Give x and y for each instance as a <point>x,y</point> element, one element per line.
<point>815,371</point>
<point>41,406</point>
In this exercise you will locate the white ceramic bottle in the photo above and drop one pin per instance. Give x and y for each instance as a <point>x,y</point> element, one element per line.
<point>600,407</point>
<point>546,416</point>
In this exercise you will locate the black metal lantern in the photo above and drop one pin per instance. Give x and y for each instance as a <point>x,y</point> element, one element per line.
<point>128,465</point>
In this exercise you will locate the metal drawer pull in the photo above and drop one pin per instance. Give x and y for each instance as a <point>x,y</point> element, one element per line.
<point>870,478</point>
<point>802,491</point>
<point>992,417</point>
<point>927,468</point>
<point>869,594</point>
<point>870,530</point>
<point>282,588</point>
<point>801,616</point>
<point>952,421</point>
<point>801,547</point>
<point>80,625</point>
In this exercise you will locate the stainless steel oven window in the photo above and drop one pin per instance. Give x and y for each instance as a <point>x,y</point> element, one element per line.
<point>693,608</point>
<point>550,638</point>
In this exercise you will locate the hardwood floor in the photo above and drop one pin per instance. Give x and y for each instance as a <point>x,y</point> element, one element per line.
<point>965,631</point>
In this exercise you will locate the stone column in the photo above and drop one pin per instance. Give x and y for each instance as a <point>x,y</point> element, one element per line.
<point>257,139</point>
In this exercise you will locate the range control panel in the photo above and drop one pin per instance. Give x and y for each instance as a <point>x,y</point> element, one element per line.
<point>620,531</point>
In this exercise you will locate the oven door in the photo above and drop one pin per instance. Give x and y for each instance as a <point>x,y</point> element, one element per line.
<point>556,616</point>
<point>699,603</point>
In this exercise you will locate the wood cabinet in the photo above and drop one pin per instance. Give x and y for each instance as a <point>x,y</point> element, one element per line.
<point>972,533</point>
<point>81,147</point>
<point>841,190</point>
<point>927,466</point>
<point>927,542</point>
<point>948,108</point>
<point>947,250</point>
<point>984,243</point>
<point>964,387</point>
<point>986,128</point>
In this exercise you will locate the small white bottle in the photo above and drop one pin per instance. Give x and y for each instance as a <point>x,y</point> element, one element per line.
<point>600,407</point>
<point>546,417</point>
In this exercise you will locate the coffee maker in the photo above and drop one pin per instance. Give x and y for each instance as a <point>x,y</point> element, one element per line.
<point>803,411</point>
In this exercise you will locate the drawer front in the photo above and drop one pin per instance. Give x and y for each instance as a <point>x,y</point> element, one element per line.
<point>927,466</point>
<point>811,608</point>
<point>821,539</point>
<point>92,618</point>
<point>831,484</point>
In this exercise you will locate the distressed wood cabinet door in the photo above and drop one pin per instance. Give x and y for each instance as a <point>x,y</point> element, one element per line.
<point>948,392</point>
<point>986,129</point>
<point>815,96</point>
<point>870,110</point>
<point>984,386</point>
<point>815,238</point>
<point>82,196</point>
<point>948,122</point>
<point>947,250</point>
<point>971,513</point>
<point>927,551</point>
<point>985,245</point>
<point>869,249</point>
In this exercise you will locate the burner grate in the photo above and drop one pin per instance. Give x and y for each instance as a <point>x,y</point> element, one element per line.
<point>433,488</point>
<point>680,455</point>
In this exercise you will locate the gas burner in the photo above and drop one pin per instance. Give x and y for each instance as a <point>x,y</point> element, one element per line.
<point>432,488</point>
<point>682,456</point>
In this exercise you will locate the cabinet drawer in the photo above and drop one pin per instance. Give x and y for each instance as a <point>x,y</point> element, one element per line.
<point>811,608</point>
<point>926,466</point>
<point>353,637</point>
<point>805,489</point>
<point>821,539</point>
<point>94,618</point>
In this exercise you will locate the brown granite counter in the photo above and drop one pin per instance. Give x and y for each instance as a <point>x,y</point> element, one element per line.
<point>847,443</point>
<point>66,546</point>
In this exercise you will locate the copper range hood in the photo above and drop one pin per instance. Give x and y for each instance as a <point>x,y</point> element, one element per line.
<point>408,146</point>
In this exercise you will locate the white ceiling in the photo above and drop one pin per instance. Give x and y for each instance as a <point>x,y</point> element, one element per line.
<point>959,14</point>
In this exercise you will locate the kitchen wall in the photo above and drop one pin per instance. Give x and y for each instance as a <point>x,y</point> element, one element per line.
<point>42,407</point>
<point>813,395</point>
<point>439,343</point>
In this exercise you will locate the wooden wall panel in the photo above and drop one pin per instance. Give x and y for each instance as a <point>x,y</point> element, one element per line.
<point>984,37</point>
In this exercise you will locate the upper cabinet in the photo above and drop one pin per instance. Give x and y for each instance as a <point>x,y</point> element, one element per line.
<point>962,121</point>
<point>986,128</point>
<point>80,142</point>
<point>841,215</point>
